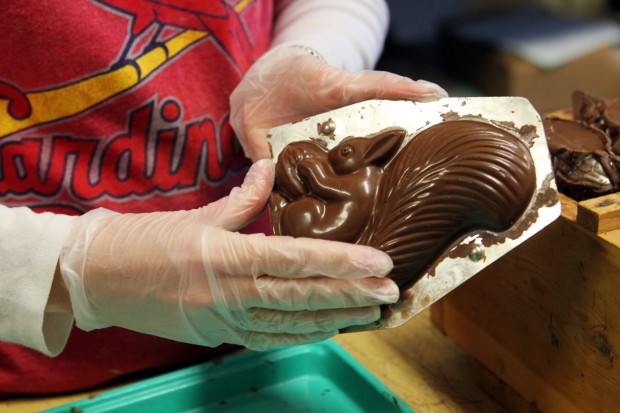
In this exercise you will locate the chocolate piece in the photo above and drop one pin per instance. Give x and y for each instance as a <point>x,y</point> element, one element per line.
<point>588,109</point>
<point>564,134</point>
<point>453,179</point>
<point>600,113</point>
<point>583,160</point>
<point>611,116</point>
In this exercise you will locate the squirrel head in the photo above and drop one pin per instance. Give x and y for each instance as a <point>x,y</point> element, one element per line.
<point>354,153</point>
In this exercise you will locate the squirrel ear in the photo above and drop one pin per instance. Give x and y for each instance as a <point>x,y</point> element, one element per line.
<point>384,146</point>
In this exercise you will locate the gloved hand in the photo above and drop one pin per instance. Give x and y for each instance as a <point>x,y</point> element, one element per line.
<point>288,85</point>
<point>186,276</point>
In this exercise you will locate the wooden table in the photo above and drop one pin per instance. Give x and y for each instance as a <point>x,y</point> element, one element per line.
<point>416,361</point>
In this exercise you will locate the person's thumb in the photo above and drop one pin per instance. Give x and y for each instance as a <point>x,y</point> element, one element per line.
<point>245,202</point>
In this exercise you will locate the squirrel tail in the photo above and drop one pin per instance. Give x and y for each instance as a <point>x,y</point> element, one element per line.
<point>452,179</point>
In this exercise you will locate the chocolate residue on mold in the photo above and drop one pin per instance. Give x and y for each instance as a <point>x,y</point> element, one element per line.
<point>528,133</point>
<point>454,178</point>
<point>448,116</point>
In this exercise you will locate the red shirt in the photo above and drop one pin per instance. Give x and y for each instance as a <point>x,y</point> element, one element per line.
<point>121,104</point>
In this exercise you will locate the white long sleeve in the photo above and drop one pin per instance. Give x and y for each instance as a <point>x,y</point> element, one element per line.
<point>349,34</point>
<point>29,246</point>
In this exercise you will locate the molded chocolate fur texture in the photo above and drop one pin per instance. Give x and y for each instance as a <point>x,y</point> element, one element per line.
<point>452,179</point>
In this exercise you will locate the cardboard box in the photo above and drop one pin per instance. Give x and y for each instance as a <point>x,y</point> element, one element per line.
<point>496,72</point>
<point>598,74</point>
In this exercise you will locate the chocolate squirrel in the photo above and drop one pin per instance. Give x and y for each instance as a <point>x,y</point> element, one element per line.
<point>333,193</point>
<point>452,179</point>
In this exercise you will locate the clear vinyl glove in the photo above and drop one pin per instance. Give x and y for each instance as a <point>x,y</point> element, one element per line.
<point>288,84</point>
<point>189,277</point>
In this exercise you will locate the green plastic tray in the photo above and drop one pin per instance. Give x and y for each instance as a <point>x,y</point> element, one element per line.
<point>319,377</point>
